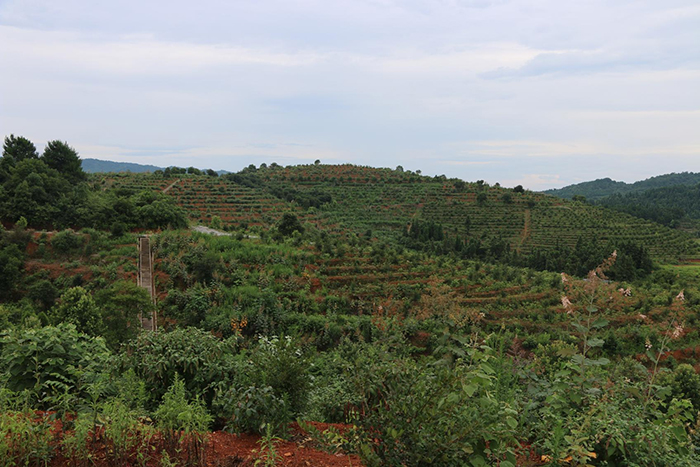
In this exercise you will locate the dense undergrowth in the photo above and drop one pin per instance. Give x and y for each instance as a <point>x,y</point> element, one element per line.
<point>319,312</point>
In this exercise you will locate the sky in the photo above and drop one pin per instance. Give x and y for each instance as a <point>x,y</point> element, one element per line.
<point>542,93</point>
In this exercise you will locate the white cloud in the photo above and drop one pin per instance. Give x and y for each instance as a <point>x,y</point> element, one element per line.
<point>225,84</point>
<point>230,157</point>
<point>534,182</point>
<point>465,59</point>
<point>134,54</point>
<point>554,149</point>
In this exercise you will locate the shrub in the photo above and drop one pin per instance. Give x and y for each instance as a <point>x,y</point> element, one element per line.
<point>50,360</point>
<point>196,356</point>
<point>77,307</point>
<point>184,424</point>
<point>75,443</point>
<point>66,241</point>
<point>118,229</point>
<point>24,439</point>
<point>279,363</point>
<point>252,409</point>
<point>414,414</point>
<point>123,431</point>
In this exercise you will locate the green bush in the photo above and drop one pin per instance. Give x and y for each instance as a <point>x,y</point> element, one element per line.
<point>252,409</point>
<point>123,432</point>
<point>25,439</point>
<point>66,241</point>
<point>684,383</point>
<point>49,361</point>
<point>184,424</point>
<point>196,356</point>
<point>417,414</point>
<point>279,363</point>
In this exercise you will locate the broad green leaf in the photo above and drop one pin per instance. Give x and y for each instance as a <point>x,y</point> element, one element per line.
<point>566,352</point>
<point>596,342</point>
<point>600,323</point>
<point>680,433</point>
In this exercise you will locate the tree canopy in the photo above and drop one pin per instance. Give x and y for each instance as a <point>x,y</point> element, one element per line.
<point>51,191</point>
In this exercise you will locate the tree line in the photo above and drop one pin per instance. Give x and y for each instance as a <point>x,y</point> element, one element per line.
<point>633,260</point>
<point>51,191</point>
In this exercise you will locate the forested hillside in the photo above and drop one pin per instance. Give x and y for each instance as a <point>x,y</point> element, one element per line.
<point>96,166</point>
<point>598,189</point>
<point>669,206</point>
<point>336,315</point>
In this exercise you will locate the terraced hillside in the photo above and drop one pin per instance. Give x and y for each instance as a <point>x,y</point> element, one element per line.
<point>385,199</point>
<point>386,202</point>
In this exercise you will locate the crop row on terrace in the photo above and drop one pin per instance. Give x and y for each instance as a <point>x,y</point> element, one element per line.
<point>385,201</point>
<point>499,213</point>
<point>365,282</point>
<point>393,330</point>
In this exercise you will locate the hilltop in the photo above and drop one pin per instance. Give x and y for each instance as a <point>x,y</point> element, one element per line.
<point>601,188</point>
<point>386,203</point>
<point>97,166</point>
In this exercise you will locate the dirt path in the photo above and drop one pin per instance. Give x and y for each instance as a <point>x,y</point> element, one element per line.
<point>145,277</point>
<point>217,233</point>
<point>210,231</point>
<point>526,230</point>
<point>167,188</point>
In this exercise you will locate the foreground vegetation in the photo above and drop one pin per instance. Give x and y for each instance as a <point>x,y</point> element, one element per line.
<point>369,301</point>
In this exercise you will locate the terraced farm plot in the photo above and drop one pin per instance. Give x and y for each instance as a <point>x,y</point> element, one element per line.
<point>385,202</point>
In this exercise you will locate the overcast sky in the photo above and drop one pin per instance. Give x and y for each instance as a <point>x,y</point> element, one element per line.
<point>542,93</point>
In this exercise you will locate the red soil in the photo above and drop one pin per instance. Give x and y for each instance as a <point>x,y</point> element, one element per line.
<point>225,446</point>
<point>230,450</point>
<point>56,270</point>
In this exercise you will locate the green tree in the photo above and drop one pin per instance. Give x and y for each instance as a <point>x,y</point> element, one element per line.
<point>76,306</point>
<point>63,158</point>
<point>289,224</point>
<point>33,191</point>
<point>122,303</point>
<point>43,292</point>
<point>11,265</point>
<point>159,212</point>
<point>17,148</point>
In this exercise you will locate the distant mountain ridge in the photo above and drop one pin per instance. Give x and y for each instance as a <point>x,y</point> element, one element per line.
<point>604,187</point>
<point>100,166</point>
